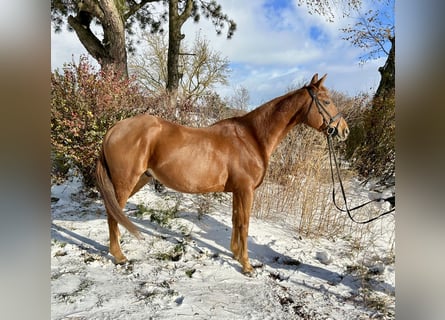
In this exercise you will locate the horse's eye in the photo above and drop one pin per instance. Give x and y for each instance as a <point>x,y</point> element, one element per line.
<point>327,102</point>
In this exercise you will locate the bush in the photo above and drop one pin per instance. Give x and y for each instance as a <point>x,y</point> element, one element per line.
<point>353,112</point>
<point>85,103</point>
<point>371,145</point>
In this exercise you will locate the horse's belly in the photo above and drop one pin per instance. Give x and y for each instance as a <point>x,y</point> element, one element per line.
<point>192,177</point>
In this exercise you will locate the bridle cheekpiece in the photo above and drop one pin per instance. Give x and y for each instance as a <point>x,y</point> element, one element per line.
<point>327,118</point>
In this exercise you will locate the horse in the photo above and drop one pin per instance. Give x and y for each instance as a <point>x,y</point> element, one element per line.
<point>232,155</point>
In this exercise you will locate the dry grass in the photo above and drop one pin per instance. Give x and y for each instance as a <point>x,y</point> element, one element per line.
<point>297,186</point>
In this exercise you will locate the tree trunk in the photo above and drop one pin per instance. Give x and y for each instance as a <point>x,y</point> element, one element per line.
<point>387,82</point>
<point>174,44</point>
<point>111,51</point>
<point>175,37</point>
<point>378,154</point>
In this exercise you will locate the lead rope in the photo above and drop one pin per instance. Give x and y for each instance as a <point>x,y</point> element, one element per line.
<point>332,155</point>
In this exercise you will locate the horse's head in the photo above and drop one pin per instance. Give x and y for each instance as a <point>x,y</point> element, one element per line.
<point>322,113</point>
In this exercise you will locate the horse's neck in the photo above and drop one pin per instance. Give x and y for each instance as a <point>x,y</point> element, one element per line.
<point>272,121</point>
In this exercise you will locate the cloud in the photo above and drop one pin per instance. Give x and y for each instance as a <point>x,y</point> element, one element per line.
<point>263,36</point>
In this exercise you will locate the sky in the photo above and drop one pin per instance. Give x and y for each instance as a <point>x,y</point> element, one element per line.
<point>278,45</point>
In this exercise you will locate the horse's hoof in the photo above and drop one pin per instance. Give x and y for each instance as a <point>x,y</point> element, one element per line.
<point>250,273</point>
<point>121,260</point>
<point>248,270</point>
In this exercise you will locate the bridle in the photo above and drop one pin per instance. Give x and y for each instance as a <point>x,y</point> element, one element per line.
<point>332,132</point>
<point>327,118</point>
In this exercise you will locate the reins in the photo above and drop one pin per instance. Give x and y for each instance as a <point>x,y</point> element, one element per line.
<point>347,209</point>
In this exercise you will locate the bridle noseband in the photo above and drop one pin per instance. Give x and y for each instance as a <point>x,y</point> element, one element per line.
<point>327,118</point>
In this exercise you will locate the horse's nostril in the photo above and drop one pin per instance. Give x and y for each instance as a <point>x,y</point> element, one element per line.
<point>346,132</point>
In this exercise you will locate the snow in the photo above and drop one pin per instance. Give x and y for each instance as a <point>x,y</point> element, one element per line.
<point>183,268</point>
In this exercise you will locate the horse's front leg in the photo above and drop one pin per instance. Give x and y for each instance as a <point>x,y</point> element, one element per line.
<point>234,243</point>
<point>242,206</point>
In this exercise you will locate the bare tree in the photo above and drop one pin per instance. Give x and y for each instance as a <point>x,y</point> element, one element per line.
<point>373,32</point>
<point>200,68</point>
<point>179,12</point>
<point>240,99</point>
<point>150,67</point>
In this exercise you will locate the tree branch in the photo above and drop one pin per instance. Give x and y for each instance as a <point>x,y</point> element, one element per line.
<point>186,13</point>
<point>93,8</point>
<point>134,7</point>
<point>213,11</point>
<point>88,39</point>
<point>378,40</point>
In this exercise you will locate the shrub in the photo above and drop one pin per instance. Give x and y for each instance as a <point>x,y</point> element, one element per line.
<point>84,104</point>
<point>371,145</point>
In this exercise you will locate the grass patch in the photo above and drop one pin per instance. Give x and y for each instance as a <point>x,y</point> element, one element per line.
<point>163,217</point>
<point>190,272</point>
<point>162,214</point>
<point>174,254</point>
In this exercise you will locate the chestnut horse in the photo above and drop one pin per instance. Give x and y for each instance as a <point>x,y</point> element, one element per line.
<point>231,155</point>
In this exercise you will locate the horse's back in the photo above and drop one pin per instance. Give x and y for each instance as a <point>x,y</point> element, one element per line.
<point>132,126</point>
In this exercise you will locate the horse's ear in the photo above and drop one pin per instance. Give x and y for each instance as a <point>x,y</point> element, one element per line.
<point>314,78</point>
<point>320,82</point>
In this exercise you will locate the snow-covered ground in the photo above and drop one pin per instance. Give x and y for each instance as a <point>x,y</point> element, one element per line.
<point>183,269</point>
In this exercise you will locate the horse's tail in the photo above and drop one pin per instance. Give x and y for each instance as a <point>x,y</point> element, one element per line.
<point>106,188</point>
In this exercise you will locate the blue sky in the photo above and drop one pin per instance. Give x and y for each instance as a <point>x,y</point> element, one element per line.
<point>277,45</point>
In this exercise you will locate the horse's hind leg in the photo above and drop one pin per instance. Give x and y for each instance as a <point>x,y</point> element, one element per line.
<point>115,234</point>
<point>123,192</point>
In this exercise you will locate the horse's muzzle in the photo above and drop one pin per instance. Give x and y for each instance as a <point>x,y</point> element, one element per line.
<point>343,135</point>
